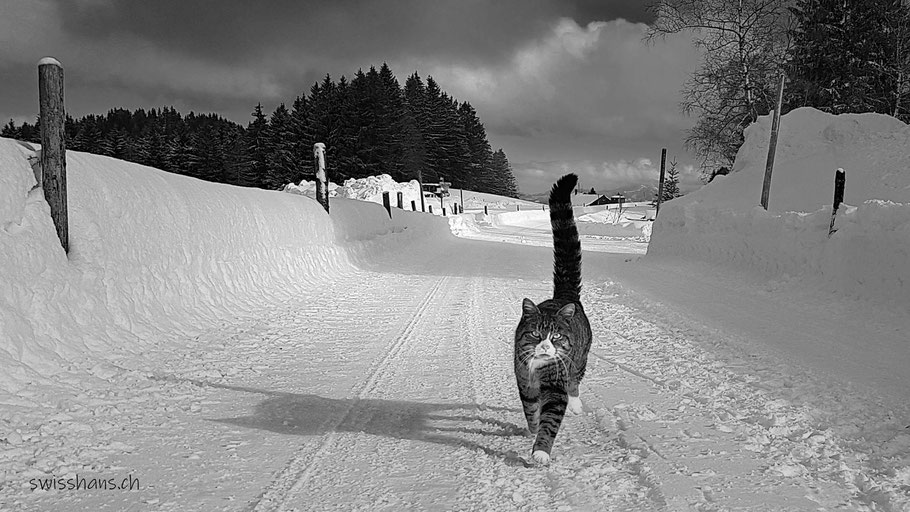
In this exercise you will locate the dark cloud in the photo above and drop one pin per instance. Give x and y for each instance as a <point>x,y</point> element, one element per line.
<point>586,11</point>
<point>234,31</point>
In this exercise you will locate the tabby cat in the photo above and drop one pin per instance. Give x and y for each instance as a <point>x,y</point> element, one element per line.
<point>553,338</point>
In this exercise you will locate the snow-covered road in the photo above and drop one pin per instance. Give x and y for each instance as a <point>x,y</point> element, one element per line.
<point>390,388</point>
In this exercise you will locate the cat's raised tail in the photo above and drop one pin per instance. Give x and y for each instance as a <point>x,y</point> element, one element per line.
<point>566,245</point>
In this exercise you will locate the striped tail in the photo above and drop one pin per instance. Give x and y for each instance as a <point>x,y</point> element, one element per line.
<point>566,246</point>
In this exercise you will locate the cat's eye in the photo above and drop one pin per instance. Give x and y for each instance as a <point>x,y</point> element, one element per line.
<point>557,336</point>
<point>535,334</point>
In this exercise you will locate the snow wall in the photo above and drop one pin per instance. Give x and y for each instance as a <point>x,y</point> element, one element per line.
<point>865,258</point>
<point>155,255</point>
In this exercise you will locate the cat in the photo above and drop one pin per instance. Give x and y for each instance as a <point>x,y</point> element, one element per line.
<point>553,338</point>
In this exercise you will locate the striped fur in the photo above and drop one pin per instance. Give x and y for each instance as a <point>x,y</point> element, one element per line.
<point>553,338</point>
<point>566,245</point>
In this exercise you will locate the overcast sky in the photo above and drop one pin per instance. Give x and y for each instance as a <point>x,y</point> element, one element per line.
<point>561,85</point>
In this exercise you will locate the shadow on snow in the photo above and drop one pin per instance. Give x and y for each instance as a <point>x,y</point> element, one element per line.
<point>453,424</point>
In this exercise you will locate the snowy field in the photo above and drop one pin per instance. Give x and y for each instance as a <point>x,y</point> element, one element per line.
<point>237,349</point>
<point>601,228</point>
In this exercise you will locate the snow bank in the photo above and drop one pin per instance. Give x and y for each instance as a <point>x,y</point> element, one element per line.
<point>364,189</point>
<point>156,255</point>
<point>867,256</point>
<point>308,188</point>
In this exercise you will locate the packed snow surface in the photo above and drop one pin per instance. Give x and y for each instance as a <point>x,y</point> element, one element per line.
<point>238,349</point>
<point>867,255</point>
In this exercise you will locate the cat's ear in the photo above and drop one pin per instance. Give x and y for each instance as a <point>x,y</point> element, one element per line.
<point>528,307</point>
<point>567,311</point>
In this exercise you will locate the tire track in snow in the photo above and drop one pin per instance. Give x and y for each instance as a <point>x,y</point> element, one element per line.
<point>302,465</point>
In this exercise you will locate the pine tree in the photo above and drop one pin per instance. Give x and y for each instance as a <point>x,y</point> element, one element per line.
<point>671,183</point>
<point>300,133</point>
<point>390,117</point>
<point>281,167</point>
<point>503,182</point>
<point>416,120</point>
<point>258,148</point>
<point>10,130</point>
<point>434,133</point>
<point>850,56</point>
<point>480,154</point>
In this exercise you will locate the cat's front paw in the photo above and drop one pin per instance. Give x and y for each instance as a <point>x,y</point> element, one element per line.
<point>541,457</point>
<point>575,406</point>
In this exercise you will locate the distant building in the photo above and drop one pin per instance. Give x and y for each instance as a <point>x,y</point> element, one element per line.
<point>584,199</point>
<point>601,200</point>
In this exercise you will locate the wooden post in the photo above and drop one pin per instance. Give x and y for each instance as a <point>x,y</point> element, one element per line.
<point>400,200</point>
<point>443,211</point>
<point>517,207</point>
<point>663,175</point>
<point>53,145</point>
<point>485,210</point>
<point>775,125</point>
<point>461,209</point>
<point>840,179</point>
<point>413,206</point>
<point>322,180</point>
<point>420,184</point>
<point>386,203</point>
<point>430,207</point>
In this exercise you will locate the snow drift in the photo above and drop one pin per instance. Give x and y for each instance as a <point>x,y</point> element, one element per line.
<point>364,189</point>
<point>866,257</point>
<point>155,254</point>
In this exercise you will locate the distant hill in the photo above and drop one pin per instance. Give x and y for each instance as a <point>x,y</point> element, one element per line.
<point>535,198</point>
<point>633,193</point>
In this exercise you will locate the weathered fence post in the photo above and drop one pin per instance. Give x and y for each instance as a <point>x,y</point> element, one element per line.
<point>517,207</point>
<point>322,180</point>
<point>840,179</point>
<point>53,146</point>
<point>660,184</point>
<point>775,125</point>
<point>387,203</point>
<point>430,208</point>
<point>400,200</point>
<point>485,210</point>
<point>420,184</point>
<point>461,208</point>
<point>413,206</point>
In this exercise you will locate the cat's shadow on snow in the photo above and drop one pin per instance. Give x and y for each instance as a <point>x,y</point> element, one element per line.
<point>453,424</point>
